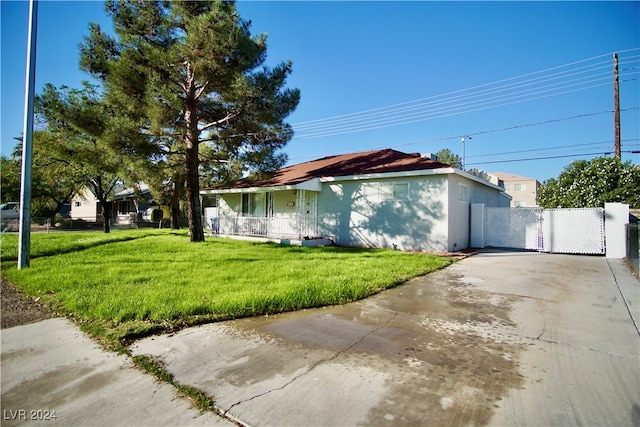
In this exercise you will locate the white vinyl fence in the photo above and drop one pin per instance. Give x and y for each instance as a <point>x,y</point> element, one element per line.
<point>575,231</point>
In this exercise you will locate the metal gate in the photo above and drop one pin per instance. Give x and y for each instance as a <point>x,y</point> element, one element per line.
<point>575,231</point>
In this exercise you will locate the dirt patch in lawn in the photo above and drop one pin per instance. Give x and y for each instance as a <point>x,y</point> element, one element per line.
<point>19,309</point>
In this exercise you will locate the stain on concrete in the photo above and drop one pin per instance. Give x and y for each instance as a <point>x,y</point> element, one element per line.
<point>434,351</point>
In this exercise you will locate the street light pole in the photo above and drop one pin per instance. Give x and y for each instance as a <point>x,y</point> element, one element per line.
<point>24,243</point>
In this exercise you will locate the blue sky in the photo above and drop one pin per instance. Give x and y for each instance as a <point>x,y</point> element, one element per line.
<point>526,80</point>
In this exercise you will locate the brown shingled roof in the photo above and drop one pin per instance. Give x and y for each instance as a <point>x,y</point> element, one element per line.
<point>368,162</point>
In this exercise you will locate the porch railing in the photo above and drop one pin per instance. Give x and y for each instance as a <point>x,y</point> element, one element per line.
<point>290,227</point>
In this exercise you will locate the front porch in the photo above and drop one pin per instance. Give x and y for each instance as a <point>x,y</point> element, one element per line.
<point>284,214</point>
<point>294,229</point>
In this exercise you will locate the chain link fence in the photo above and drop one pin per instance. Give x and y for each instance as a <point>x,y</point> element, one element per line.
<point>80,224</point>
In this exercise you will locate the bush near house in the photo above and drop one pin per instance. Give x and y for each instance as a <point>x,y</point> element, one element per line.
<point>128,284</point>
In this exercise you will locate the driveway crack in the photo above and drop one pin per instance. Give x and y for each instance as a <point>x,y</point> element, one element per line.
<point>544,323</point>
<point>315,365</point>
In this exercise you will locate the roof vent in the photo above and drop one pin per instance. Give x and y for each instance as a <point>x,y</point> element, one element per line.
<point>429,156</point>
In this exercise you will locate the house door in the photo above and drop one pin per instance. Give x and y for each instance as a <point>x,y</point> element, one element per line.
<point>308,202</point>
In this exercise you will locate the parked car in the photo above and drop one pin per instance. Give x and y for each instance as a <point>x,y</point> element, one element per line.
<point>158,214</point>
<point>8,214</point>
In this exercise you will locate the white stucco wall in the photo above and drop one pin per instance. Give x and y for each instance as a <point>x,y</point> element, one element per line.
<point>459,210</point>
<point>433,216</point>
<point>229,204</point>
<point>353,218</point>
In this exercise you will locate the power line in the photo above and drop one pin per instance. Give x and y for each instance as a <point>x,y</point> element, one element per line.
<point>589,144</point>
<point>458,91</point>
<point>440,106</point>
<point>445,113</point>
<point>548,157</point>
<point>476,94</point>
<point>458,104</point>
<point>513,127</point>
<point>506,129</point>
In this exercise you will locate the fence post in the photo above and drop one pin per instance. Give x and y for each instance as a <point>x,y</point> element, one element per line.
<point>476,226</point>
<point>616,218</point>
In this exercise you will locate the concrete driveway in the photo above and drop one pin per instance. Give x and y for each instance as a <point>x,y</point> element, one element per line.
<point>500,338</point>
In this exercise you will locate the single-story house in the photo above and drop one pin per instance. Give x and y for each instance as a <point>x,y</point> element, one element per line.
<point>381,198</point>
<point>125,205</point>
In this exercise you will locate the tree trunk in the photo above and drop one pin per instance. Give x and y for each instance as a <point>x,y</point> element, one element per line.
<point>194,209</point>
<point>106,216</point>
<point>192,140</point>
<point>58,208</point>
<point>176,191</point>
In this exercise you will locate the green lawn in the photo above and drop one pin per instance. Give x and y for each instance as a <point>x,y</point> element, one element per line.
<point>130,283</point>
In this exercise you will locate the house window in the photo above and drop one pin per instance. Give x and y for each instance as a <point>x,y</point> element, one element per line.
<point>245,204</point>
<point>519,187</point>
<point>519,204</point>
<point>77,204</point>
<point>385,191</point>
<point>400,191</point>
<point>462,193</point>
<point>125,206</point>
<point>254,204</point>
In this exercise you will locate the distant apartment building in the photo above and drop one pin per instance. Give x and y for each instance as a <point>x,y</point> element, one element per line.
<point>523,190</point>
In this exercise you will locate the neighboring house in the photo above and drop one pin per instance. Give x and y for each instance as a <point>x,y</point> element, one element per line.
<point>383,198</point>
<point>523,190</point>
<point>85,206</point>
<point>124,205</point>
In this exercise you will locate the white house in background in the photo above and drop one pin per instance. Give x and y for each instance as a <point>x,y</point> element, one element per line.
<point>523,190</point>
<point>124,205</point>
<point>382,199</point>
<point>85,206</point>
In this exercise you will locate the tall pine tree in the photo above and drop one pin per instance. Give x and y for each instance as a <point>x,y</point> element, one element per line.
<point>191,73</point>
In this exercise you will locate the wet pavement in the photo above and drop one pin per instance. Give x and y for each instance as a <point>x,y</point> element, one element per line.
<point>497,339</point>
<point>53,375</point>
<point>500,338</point>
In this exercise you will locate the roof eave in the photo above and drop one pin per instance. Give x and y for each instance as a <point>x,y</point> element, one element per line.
<point>310,185</point>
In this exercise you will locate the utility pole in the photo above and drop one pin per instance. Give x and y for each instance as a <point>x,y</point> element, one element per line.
<point>24,244</point>
<point>463,139</point>
<point>616,105</point>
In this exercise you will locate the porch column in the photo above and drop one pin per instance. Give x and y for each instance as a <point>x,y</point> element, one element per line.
<point>302,206</point>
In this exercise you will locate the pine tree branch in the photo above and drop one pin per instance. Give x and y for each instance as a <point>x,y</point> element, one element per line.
<point>225,119</point>
<point>201,90</point>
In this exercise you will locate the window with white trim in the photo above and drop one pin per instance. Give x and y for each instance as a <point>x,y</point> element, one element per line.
<point>462,193</point>
<point>385,191</point>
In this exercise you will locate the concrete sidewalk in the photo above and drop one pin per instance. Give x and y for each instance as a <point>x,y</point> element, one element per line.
<point>53,375</point>
<point>500,338</point>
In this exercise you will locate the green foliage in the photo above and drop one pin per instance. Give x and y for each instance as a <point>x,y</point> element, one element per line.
<point>182,74</point>
<point>53,183</point>
<point>78,122</point>
<point>592,183</point>
<point>447,157</point>
<point>133,286</point>
<point>10,179</point>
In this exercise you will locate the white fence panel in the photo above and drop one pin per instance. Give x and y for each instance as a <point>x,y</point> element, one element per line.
<point>573,231</point>
<point>513,228</point>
